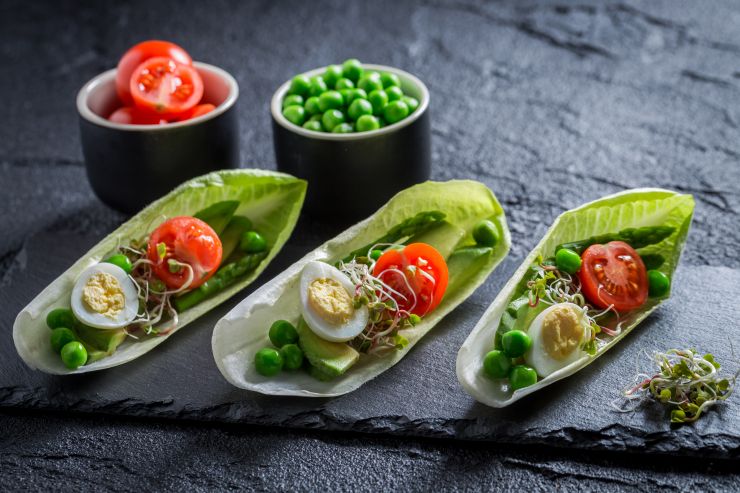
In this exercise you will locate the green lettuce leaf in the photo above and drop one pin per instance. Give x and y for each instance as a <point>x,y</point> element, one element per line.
<point>271,200</point>
<point>628,209</point>
<point>243,331</point>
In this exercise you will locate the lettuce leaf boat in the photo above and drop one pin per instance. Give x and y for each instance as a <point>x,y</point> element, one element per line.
<point>641,210</point>
<point>271,201</point>
<point>244,331</point>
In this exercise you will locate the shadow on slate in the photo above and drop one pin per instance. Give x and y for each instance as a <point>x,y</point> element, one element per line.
<point>420,396</point>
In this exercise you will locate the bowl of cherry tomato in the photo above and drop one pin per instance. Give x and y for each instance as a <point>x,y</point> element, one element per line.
<point>155,121</point>
<point>358,133</point>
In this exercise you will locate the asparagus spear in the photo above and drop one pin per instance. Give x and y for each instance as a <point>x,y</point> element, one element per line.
<point>421,222</point>
<point>634,237</point>
<point>224,277</point>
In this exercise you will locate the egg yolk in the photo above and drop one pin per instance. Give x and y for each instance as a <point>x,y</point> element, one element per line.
<point>330,301</point>
<point>103,294</point>
<point>562,331</point>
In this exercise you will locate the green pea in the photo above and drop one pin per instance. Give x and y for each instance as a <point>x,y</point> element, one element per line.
<point>375,254</point>
<point>496,364</point>
<point>522,376</point>
<point>358,108</point>
<point>318,86</point>
<point>378,99</point>
<point>74,355</point>
<point>293,99</point>
<point>658,283</point>
<point>268,362</point>
<point>394,93</point>
<point>515,343</point>
<point>367,123</point>
<point>283,332</point>
<point>295,114</point>
<point>345,95</point>
<point>344,83</point>
<point>312,105</point>
<point>485,233</point>
<point>332,74</point>
<point>352,69</point>
<point>390,80</point>
<point>60,317</point>
<point>355,94</point>
<point>60,337</point>
<point>314,126</point>
<point>330,100</point>
<point>412,103</point>
<point>395,111</point>
<point>121,261</point>
<point>331,119</point>
<point>316,118</point>
<point>373,74</point>
<point>369,83</point>
<point>292,356</point>
<point>300,85</point>
<point>253,242</point>
<point>343,128</point>
<point>567,260</point>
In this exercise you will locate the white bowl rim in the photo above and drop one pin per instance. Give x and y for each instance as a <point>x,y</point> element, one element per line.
<point>277,114</point>
<point>85,112</point>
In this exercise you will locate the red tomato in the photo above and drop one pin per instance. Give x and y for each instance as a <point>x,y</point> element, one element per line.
<point>134,116</point>
<point>198,110</point>
<point>613,274</point>
<point>188,240</point>
<point>429,286</point>
<point>162,86</point>
<point>139,53</point>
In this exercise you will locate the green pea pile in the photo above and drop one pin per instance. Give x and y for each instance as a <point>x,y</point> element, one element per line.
<point>64,340</point>
<point>347,98</point>
<point>270,361</point>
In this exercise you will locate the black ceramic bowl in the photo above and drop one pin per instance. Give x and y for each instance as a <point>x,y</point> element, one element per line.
<point>351,175</point>
<point>130,165</point>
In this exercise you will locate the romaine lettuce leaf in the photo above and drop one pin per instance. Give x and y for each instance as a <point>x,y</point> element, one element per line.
<point>271,200</point>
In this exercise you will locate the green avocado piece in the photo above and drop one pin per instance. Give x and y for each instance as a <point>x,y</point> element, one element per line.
<point>99,343</point>
<point>328,359</point>
<point>518,306</point>
<point>218,215</point>
<point>463,263</point>
<point>231,235</point>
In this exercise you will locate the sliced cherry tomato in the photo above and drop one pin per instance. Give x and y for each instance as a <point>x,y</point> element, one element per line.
<point>198,110</point>
<point>613,275</point>
<point>187,240</point>
<point>163,86</point>
<point>134,116</point>
<point>419,267</point>
<point>139,53</point>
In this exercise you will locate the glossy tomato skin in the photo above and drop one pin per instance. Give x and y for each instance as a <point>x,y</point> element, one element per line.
<point>133,116</point>
<point>429,289</point>
<point>139,53</point>
<point>188,240</point>
<point>613,275</point>
<point>195,112</point>
<point>162,86</point>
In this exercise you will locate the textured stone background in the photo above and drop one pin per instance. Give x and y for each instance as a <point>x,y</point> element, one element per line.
<point>550,104</point>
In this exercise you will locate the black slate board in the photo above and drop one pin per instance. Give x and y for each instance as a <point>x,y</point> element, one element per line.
<point>550,105</point>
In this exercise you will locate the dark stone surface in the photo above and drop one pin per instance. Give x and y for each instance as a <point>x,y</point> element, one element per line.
<point>550,104</point>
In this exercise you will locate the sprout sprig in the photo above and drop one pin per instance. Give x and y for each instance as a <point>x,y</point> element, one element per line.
<point>686,381</point>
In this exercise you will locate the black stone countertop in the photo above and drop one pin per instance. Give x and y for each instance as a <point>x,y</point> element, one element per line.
<point>549,104</point>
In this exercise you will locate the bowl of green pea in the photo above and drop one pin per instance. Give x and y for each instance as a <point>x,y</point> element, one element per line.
<point>358,133</point>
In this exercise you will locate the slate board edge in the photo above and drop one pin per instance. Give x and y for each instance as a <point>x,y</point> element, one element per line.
<point>613,438</point>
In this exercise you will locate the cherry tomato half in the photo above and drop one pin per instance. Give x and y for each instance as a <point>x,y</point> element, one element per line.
<point>139,53</point>
<point>163,86</point>
<point>198,110</point>
<point>188,240</point>
<point>613,274</point>
<point>425,271</point>
<point>134,116</point>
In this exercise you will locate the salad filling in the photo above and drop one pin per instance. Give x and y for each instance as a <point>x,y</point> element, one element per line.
<point>141,287</point>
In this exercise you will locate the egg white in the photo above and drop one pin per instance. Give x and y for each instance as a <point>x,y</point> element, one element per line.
<point>89,317</point>
<point>538,358</point>
<point>330,332</point>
